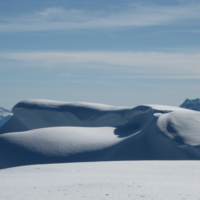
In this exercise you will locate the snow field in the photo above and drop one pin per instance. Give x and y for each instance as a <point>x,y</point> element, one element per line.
<point>176,180</point>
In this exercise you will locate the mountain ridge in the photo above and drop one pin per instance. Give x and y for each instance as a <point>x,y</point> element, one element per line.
<point>41,132</point>
<point>192,104</point>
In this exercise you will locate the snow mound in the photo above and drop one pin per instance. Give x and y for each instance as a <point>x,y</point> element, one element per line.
<point>192,104</point>
<point>181,126</point>
<point>42,131</point>
<point>5,115</point>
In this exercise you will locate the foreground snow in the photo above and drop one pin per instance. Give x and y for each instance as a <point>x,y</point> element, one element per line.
<point>175,180</point>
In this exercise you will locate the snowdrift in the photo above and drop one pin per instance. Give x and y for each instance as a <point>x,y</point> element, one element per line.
<point>42,131</point>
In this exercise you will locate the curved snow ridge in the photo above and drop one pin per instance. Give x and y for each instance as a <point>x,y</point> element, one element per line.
<point>181,126</point>
<point>82,144</point>
<point>62,141</point>
<point>61,106</point>
<point>57,145</point>
<point>33,114</point>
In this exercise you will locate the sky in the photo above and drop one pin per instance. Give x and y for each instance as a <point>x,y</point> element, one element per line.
<point>122,52</point>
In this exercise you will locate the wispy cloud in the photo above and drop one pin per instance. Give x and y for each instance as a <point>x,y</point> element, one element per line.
<point>144,64</point>
<point>130,16</point>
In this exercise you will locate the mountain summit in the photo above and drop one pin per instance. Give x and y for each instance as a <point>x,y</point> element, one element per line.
<point>192,104</point>
<point>5,115</point>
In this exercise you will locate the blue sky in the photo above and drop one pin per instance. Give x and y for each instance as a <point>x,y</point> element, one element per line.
<point>112,52</point>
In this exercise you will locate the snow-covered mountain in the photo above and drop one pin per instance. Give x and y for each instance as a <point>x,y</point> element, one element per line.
<point>42,131</point>
<point>192,104</point>
<point>5,115</point>
<point>133,141</point>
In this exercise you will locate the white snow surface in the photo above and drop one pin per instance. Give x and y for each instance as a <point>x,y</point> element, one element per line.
<point>182,126</point>
<point>174,180</point>
<point>59,141</point>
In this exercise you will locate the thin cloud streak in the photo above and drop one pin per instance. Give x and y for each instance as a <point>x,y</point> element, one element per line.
<point>146,64</point>
<point>132,16</point>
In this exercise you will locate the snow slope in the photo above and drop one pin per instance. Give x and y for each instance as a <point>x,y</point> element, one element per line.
<point>135,180</point>
<point>42,131</point>
<point>5,115</point>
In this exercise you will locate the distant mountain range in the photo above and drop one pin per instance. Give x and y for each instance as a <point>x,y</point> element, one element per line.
<point>5,115</point>
<point>192,104</point>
